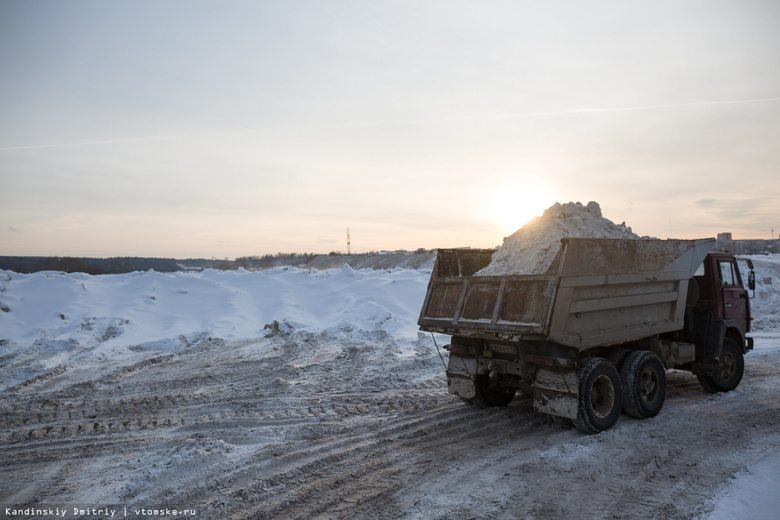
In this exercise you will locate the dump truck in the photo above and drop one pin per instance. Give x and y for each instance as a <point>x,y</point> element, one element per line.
<point>594,335</point>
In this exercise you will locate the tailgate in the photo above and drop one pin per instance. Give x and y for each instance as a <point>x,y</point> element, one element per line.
<point>473,304</point>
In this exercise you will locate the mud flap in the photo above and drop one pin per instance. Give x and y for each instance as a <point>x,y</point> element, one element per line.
<point>460,376</point>
<point>556,393</point>
<point>460,386</point>
<point>554,403</point>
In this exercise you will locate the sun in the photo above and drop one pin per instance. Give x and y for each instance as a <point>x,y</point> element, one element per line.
<point>514,205</point>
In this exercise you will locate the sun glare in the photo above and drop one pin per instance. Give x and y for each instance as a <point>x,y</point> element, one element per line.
<point>513,206</point>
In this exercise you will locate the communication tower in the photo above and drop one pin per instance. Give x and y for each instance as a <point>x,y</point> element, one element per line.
<point>348,251</point>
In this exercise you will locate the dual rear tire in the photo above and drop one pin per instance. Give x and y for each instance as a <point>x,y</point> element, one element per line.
<point>643,377</point>
<point>639,389</point>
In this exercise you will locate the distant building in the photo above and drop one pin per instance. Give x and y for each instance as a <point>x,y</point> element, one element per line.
<point>725,242</point>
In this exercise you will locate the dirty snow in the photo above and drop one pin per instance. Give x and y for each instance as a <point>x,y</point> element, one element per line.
<point>305,393</point>
<point>532,248</point>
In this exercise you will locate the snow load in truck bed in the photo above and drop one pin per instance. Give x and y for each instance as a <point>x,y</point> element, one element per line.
<point>532,248</point>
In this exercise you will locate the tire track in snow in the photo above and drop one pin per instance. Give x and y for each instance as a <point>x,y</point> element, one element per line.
<point>250,434</point>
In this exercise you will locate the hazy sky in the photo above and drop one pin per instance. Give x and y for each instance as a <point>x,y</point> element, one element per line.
<point>232,128</point>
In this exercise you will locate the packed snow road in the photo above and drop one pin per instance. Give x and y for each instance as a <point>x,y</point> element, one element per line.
<point>274,428</point>
<point>345,421</point>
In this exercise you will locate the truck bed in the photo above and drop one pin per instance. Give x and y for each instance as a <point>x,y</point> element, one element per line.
<point>596,292</point>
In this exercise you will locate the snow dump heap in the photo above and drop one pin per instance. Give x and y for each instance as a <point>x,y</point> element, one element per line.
<point>532,248</point>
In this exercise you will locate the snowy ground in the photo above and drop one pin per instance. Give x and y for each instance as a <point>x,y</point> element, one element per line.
<point>294,393</point>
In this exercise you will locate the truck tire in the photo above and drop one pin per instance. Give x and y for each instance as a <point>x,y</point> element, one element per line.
<point>618,356</point>
<point>490,394</point>
<point>732,366</point>
<point>600,398</point>
<point>644,384</point>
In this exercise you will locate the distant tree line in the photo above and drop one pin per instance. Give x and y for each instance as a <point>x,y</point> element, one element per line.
<point>118,265</point>
<point>128,264</point>
<point>266,261</point>
<point>32,264</point>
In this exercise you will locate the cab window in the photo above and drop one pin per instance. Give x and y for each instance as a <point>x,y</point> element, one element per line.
<point>727,275</point>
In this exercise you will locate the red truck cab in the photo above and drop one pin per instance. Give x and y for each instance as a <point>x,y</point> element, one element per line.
<point>723,295</point>
<point>719,320</point>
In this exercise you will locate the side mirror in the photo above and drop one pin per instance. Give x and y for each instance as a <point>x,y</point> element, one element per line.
<point>752,280</point>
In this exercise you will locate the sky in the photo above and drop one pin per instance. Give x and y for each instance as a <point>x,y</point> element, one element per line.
<point>236,128</point>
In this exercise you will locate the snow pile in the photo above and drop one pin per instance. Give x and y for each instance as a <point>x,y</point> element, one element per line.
<point>50,320</point>
<point>532,248</point>
<point>764,306</point>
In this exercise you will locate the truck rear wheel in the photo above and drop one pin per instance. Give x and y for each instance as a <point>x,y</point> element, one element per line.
<point>489,393</point>
<point>729,374</point>
<point>644,384</point>
<point>600,396</point>
<point>618,356</point>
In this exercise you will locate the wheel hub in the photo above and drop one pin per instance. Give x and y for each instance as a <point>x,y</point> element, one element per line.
<point>648,385</point>
<point>727,366</point>
<point>602,398</point>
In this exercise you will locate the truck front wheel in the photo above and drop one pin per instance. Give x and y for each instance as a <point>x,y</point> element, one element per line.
<point>489,393</point>
<point>644,384</point>
<point>729,374</point>
<point>600,396</point>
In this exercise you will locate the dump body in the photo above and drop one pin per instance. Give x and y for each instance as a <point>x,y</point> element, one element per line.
<point>597,292</point>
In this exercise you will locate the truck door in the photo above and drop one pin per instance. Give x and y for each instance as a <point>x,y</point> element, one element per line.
<point>734,296</point>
